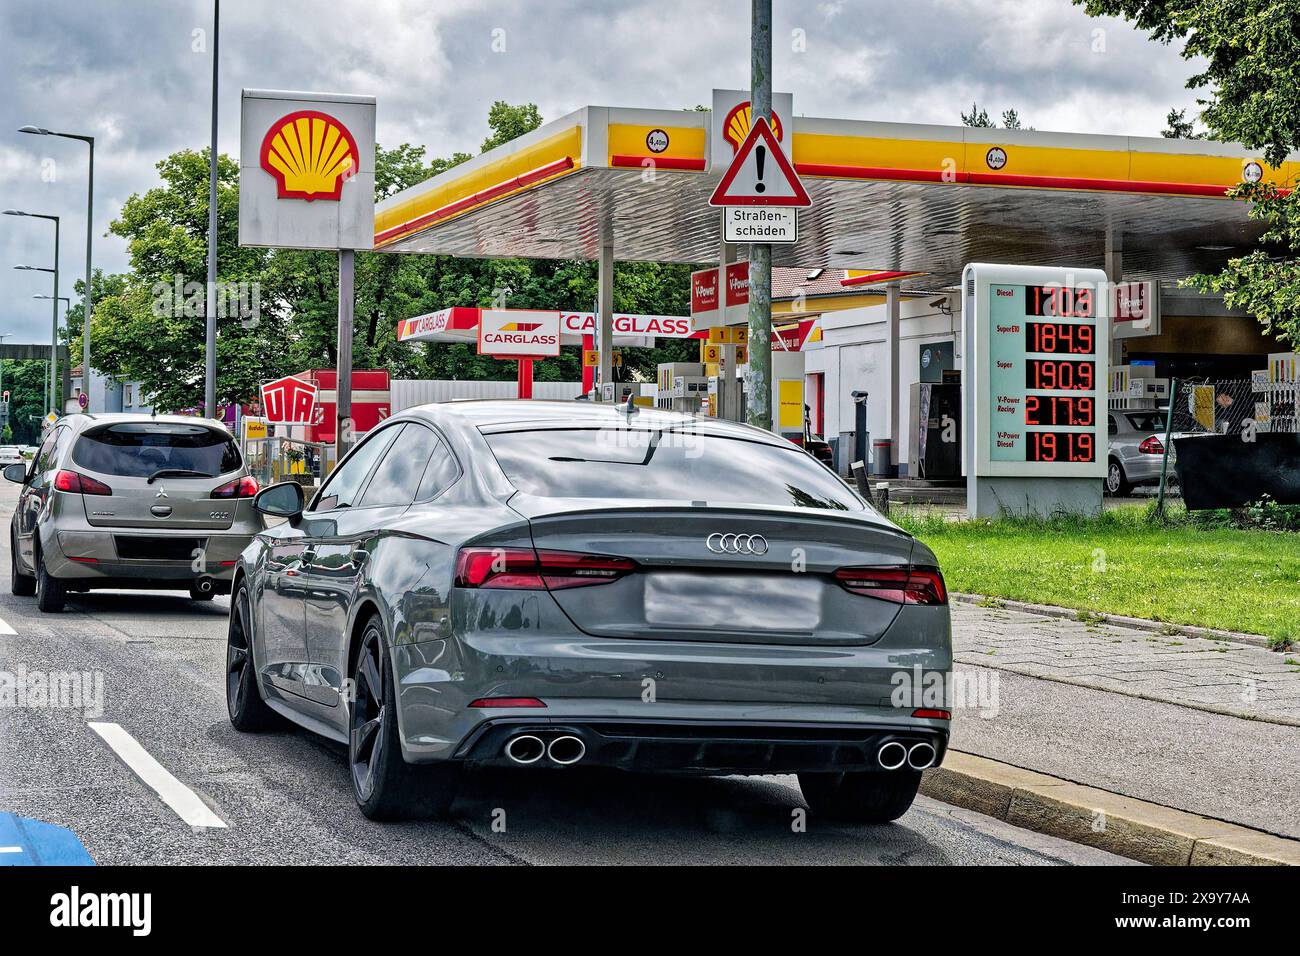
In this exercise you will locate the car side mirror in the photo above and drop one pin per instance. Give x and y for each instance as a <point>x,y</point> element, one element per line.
<point>284,500</point>
<point>17,473</point>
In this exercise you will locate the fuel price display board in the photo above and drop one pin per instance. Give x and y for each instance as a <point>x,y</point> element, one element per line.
<point>1038,354</point>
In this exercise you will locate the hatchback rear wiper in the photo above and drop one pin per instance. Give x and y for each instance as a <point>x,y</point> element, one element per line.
<point>178,473</point>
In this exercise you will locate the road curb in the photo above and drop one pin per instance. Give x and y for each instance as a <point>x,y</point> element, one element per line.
<point>1148,832</point>
<point>1137,623</point>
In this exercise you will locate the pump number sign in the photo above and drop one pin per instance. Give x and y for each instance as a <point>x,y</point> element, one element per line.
<point>1038,352</point>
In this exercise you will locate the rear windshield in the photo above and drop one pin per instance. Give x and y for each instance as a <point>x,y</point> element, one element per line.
<point>142,449</point>
<point>679,466</point>
<point>1147,421</point>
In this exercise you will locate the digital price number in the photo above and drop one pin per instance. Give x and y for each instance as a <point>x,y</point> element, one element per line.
<point>1067,374</point>
<point>1060,446</point>
<point>1061,301</point>
<point>1060,338</point>
<point>1060,410</point>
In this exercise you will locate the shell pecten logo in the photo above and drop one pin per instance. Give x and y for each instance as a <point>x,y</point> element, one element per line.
<point>310,154</point>
<point>735,127</point>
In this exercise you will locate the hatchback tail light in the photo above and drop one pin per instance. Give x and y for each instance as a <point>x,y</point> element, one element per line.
<point>530,570</point>
<point>900,585</point>
<point>245,487</point>
<point>72,482</point>
<point>1152,446</point>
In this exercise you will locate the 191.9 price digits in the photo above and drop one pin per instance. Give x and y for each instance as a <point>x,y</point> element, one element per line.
<point>1061,446</point>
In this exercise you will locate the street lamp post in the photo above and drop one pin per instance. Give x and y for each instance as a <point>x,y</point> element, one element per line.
<point>3,336</point>
<point>54,311</point>
<point>67,307</point>
<point>88,297</point>
<point>210,300</point>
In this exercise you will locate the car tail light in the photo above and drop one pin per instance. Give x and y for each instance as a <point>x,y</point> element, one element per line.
<point>245,487</point>
<point>1152,446</point>
<point>932,713</point>
<point>900,585</point>
<point>79,484</point>
<point>507,702</point>
<point>526,569</point>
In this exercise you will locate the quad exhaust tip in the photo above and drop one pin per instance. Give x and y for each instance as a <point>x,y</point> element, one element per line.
<point>525,749</point>
<point>920,756</point>
<point>892,755</point>
<point>566,750</point>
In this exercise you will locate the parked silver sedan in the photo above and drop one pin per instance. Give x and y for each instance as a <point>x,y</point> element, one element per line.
<point>130,501</point>
<point>1136,449</point>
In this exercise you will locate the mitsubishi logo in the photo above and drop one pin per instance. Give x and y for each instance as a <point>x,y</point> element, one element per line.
<point>720,543</point>
<point>161,493</point>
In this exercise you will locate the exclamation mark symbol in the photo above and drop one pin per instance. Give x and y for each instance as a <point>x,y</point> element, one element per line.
<point>760,154</point>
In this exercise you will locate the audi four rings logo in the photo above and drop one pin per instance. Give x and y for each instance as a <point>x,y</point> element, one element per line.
<point>720,543</point>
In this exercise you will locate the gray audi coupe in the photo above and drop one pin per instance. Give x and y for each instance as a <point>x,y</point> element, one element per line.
<point>533,584</point>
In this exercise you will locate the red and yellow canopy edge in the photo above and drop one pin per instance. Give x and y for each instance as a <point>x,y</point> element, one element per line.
<point>1028,166</point>
<point>548,159</point>
<point>828,156</point>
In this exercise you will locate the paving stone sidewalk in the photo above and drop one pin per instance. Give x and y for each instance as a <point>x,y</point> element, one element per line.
<point>1218,676</point>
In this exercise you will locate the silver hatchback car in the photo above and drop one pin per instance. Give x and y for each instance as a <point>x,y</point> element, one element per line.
<point>130,501</point>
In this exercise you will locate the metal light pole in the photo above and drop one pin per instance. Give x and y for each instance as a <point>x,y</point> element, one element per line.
<point>758,377</point>
<point>68,307</point>
<point>88,296</point>
<point>54,337</point>
<point>210,309</point>
<point>3,336</point>
<point>52,402</point>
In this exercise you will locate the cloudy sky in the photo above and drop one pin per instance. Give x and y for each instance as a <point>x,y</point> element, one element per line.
<point>136,75</point>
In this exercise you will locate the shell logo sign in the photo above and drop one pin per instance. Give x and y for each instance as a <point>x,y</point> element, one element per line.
<point>306,170</point>
<point>731,119</point>
<point>310,154</point>
<point>736,126</point>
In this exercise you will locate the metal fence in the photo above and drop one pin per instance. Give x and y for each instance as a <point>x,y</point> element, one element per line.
<point>1235,407</point>
<point>407,393</point>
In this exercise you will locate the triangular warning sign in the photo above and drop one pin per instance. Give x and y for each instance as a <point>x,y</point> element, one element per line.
<point>760,175</point>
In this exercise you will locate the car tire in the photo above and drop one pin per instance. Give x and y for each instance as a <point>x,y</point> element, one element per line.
<point>1116,483</point>
<point>20,584</point>
<point>249,712</point>
<point>51,595</point>
<point>385,786</point>
<point>862,797</point>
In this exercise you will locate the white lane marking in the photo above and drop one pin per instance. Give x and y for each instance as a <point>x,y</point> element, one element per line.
<point>11,849</point>
<point>5,628</point>
<point>183,801</point>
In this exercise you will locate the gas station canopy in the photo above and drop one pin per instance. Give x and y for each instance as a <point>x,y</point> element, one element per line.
<point>917,199</point>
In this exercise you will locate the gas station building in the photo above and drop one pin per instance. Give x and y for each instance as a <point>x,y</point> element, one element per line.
<point>868,298</point>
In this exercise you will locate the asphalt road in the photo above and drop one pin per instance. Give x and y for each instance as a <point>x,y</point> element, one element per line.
<point>284,797</point>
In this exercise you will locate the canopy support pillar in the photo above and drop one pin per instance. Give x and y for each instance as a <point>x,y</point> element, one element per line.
<point>605,306</point>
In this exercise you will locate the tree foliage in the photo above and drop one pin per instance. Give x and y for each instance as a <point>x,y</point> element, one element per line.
<point>1178,126</point>
<point>980,118</point>
<point>1250,50</point>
